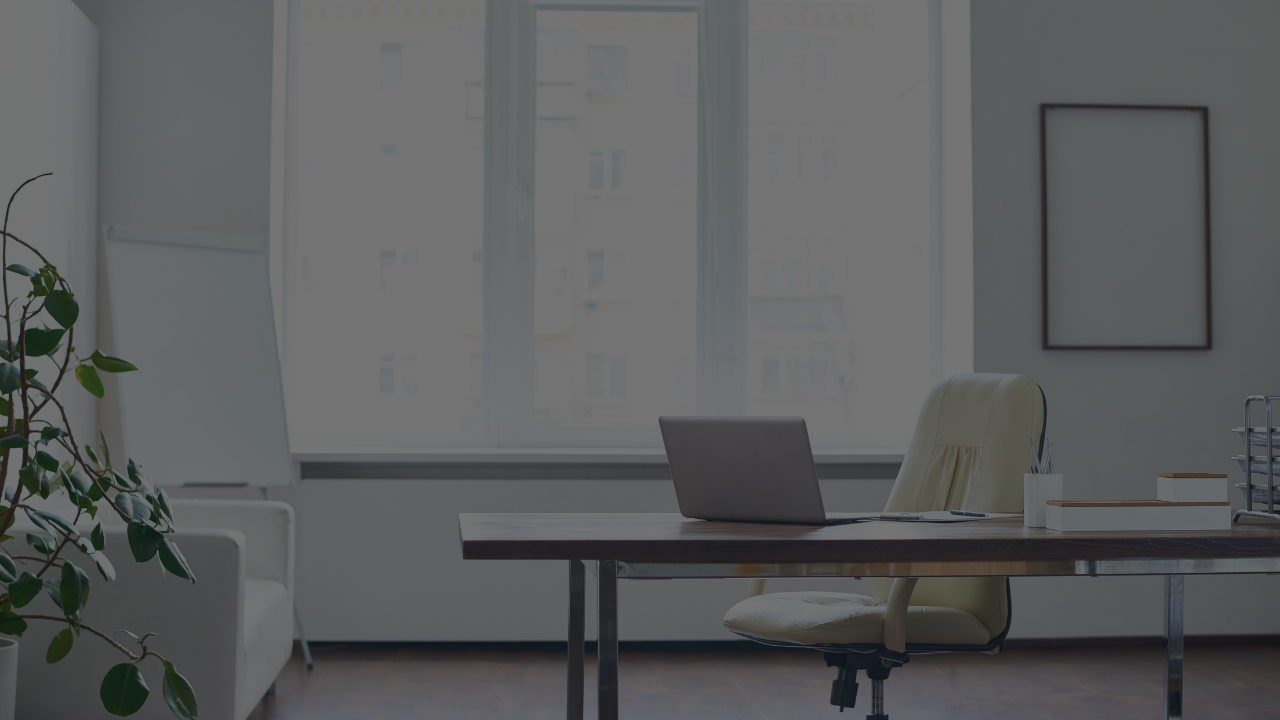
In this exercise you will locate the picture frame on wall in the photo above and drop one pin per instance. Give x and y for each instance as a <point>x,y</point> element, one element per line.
<point>1125,227</point>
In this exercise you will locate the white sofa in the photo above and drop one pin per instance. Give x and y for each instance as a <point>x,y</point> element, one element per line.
<point>229,634</point>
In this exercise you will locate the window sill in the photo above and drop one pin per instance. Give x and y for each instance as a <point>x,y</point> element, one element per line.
<point>549,464</point>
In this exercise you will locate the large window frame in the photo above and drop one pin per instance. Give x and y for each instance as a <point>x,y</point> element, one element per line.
<point>510,85</point>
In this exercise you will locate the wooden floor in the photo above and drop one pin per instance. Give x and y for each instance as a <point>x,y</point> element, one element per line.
<point>375,681</point>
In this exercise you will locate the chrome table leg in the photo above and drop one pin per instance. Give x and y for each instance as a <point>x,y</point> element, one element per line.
<point>1173,591</point>
<point>577,618</point>
<point>607,644</point>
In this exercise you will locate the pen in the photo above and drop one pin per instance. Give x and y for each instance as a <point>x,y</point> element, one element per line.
<point>970,514</point>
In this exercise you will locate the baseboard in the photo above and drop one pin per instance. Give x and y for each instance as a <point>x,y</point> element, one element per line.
<point>667,646</point>
<point>1139,641</point>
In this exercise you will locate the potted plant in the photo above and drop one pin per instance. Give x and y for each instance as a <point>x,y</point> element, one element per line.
<point>45,575</point>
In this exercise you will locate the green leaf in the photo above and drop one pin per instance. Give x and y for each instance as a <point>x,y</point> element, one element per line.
<point>98,537</point>
<point>42,341</point>
<point>60,646</point>
<point>4,407</point>
<point>132,506</point>
<point>173,561</point>
<point>62,307</point>
<point>46,461</point>
<point>105,568</point>
<point>178,694</point>
<point>22,270</point>
<point>85,375</point>
<point>11,624</point>
<point>75,480</point>
<point>135,473</point>
<point>144,541</point>
<point>36,518</point>
<point>13,441</point>
<point>74,588</point>
<point>31,374</point>
<point>25,589</point>
<point>8,569</point>
<point>162,501</point>
<point>49,433</point>
<point>92,456</point>
<point>106,450</point>
<point>43,544</point>
<point>122,481</point>
<point>29,476</point>
<point>54,592</point>
<point>10,378</point>
<point>123,690</point>
<point>95,490</point>
<point>107,363</point>
<point>56,521</point>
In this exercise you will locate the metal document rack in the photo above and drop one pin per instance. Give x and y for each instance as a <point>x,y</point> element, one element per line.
<point>1267,437</point>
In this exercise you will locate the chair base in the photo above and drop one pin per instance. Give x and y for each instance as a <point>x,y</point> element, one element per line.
<point>876,664</point>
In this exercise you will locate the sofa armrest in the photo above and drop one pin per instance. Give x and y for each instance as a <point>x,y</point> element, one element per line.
<point>198,625</point>
<point>267,527</point>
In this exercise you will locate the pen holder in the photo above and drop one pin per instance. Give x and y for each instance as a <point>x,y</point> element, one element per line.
<point>1037,490</point>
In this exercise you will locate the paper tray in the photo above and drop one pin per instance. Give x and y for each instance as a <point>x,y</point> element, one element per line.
<point>1259,465</point>
<point>1258,436</point>
<point>1260,492</point>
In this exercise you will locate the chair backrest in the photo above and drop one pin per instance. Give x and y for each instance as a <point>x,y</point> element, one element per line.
<point>971,446</point>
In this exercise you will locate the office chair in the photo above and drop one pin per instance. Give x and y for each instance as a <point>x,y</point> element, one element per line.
<point>970,449</point>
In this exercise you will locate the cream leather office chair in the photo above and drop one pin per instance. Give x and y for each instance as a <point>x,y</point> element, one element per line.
<point>970,449</point>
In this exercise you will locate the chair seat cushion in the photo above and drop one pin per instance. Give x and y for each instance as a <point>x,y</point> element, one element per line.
<point>827,618</point>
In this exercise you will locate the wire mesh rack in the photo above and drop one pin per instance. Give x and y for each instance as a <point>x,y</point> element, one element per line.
<point>1267,437</point>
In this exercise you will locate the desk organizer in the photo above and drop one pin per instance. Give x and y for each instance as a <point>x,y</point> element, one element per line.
<point>1267,437</point>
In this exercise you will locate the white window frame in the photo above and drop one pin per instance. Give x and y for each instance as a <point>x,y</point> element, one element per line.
<point>720,373</point>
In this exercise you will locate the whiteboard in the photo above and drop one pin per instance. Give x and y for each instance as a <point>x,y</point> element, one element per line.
<point>1126,227</point>
<point>193,312</point>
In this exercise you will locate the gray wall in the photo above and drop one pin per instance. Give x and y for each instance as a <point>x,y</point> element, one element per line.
<point>185,144</point>
<point>1119,417</point>
<point>185,113</point>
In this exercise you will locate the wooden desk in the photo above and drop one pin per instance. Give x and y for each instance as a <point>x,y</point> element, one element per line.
<point>635,545</point>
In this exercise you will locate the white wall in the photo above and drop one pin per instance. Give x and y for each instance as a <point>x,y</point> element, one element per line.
<point>49,95</point>
<point>380,559</point>
<point>1116,417</point>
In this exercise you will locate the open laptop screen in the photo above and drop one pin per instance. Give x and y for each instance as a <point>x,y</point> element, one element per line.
<point>743,468</point>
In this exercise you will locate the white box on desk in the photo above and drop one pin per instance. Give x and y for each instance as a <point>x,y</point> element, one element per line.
<point>1075,515</point>
<point>1192,487</point>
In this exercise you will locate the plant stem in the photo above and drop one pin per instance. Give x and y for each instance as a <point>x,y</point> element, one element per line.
<point>100,634</point>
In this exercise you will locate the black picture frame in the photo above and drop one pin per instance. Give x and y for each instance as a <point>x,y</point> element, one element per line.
<point>1045,239</point>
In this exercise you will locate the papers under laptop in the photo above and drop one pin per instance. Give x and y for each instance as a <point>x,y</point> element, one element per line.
<point>758,469</point>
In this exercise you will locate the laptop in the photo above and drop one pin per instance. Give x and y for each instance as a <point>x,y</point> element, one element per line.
<point>746,469</point>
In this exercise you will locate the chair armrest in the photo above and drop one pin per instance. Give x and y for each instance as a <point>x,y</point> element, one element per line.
<point>895,615</point>
<point>267,526</point>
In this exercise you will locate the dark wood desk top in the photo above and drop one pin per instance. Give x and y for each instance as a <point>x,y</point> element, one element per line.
<point>670,538</point>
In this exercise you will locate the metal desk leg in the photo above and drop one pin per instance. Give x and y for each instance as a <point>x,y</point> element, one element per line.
<point>577,619</point>
<point>607,645</point>
<point>1173,587</point>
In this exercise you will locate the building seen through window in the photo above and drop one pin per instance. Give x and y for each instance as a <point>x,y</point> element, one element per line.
<point>387,227</point>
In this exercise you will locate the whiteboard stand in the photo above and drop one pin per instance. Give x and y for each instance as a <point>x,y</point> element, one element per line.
<point>297,619</point>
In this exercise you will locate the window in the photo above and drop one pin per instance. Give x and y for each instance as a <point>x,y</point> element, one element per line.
<point>546,225</point>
